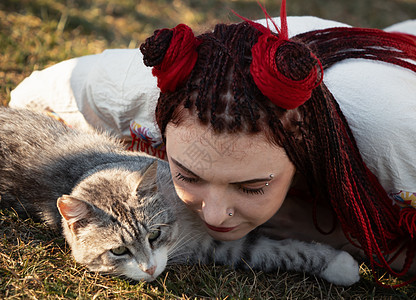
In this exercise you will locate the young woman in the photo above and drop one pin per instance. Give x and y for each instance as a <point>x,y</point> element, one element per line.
<point>249,117</point>
<point>242,110</point>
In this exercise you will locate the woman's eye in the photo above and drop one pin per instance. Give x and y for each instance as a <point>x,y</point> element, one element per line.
<point>185,178</point>
<point>153,235</point>
<point>252,191</point>
<point>120,251</point>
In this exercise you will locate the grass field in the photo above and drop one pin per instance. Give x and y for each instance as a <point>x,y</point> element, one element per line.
<point>35,263</point>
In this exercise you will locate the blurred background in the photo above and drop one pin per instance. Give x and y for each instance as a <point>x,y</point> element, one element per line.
<point>37,33</point>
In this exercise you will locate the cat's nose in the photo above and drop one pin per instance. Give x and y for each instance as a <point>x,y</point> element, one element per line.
<point>151,270</point>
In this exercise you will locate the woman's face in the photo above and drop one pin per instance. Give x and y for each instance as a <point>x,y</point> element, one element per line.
<point>216,175</point>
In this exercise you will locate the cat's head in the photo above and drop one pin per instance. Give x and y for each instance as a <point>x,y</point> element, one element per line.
<point>117,222</point>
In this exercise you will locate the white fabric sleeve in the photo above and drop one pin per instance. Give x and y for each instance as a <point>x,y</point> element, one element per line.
<point>57,87</point>
<point>118,90</point>
<point>297,25</point>
<point>106,91</point>
<point>379,102</point>
<point>408,26</point>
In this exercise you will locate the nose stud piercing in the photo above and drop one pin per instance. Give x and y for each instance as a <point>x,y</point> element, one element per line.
<point>230,214</point>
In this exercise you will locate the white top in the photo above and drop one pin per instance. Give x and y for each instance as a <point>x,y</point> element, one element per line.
<point>114,88</point>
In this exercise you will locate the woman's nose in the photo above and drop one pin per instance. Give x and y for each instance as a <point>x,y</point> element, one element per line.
<point>215,205</point>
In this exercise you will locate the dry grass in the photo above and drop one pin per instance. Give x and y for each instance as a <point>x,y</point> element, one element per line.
<point>34,262</point>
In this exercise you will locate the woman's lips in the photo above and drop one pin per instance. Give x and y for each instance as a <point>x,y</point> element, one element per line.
<point>219,229</point>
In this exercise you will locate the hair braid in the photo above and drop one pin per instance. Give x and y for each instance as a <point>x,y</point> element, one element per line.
<point>331,45</point>
<point>217,123</point>
<point>373,213</point>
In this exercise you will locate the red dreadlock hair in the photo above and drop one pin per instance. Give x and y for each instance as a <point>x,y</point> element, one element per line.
<point>222,90</point>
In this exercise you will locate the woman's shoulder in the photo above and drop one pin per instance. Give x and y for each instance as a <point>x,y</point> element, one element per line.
<point>379,103</point>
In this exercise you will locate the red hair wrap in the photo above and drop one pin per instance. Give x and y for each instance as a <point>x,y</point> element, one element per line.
<point>179,60</point>
<point>279,86</point>
<point>281,90</point>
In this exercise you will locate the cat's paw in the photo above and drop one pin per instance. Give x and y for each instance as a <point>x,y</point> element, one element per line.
<point>342,270</point>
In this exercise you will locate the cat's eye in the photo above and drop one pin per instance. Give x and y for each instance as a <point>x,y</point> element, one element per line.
<point>120,251</point>
<point>153,235</point>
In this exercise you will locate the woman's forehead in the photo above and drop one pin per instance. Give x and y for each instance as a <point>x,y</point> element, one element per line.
<point>224,157</point>
<point>192,136</point>
<point>191,130</point>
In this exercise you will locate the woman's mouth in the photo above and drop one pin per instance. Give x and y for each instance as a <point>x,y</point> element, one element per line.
<point>219,229</point>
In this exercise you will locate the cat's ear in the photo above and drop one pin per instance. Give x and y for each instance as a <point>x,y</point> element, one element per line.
<point>146,182</point>
<point>74,211</point>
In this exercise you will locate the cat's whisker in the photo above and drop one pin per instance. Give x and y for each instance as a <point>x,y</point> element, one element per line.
<point>157,214</point>
<point>187,237</point>
<point>177,250</point>
<point>159,225</point>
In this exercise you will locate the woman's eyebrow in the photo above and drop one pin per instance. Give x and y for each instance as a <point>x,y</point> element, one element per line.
<point>183,167</point>
<point>250,181</point>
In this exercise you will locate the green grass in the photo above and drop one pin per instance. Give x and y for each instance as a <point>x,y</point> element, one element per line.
<point>36,263</point>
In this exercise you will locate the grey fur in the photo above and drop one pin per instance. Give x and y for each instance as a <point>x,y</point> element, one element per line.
<point>107,200</point>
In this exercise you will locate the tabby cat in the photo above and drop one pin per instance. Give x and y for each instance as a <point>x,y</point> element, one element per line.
<point>118,209</point>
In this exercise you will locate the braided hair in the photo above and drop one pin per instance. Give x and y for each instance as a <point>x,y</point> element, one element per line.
<point>223,93</point>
